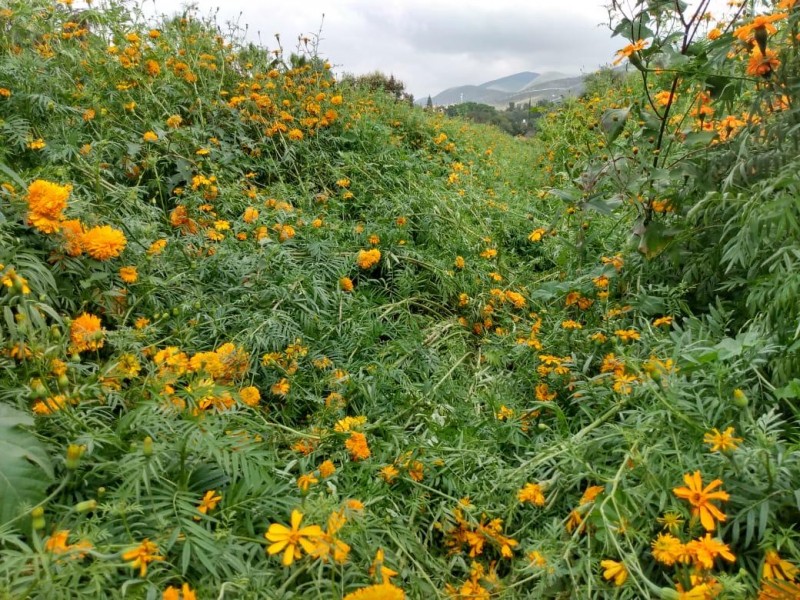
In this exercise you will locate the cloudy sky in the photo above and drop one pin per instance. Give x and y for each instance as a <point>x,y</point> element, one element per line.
<point>430,44</point>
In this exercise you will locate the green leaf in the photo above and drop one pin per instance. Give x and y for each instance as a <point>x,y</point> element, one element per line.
<point>613,121</point>
<point>699,139</point>
<point>604,205</point>
<point>655,239</point>
<point>25,467</point>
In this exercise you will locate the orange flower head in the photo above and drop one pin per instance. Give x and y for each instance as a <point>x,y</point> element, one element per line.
<point>700,498</point>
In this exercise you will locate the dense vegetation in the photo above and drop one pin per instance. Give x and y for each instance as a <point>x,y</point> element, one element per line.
<point>270,335</point>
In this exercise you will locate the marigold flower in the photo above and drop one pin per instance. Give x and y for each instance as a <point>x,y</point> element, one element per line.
<point>346,284</point>
<point>143,554</point>
<point>157,247</point>
<point>150,136</point>
<point>46,203</point>
<point>368,258</point>
<point>531,493</point>
<point>281,388</point>
<point>174,121</point>
<point>459,262</point>
<point>721,442</point>
<point>295,135</point>
<point>209,501</point>
<point>614,570</point>
<point>103,242</point>
<point>305,481</point>
<point>250,395</point>
<point>291,540</point>
<point>777,568</point>
<point>86,333</point>
<point>705,550</point>
<point>389,473</point>
<point>700,498</point>
<point>183,593</point>
<point>326,469</point>
<point>629,50</point>
<point>380,591</point>
<point>762,64</point>
<point>662,321</point>
<point>129,274</point>
<point>667,549</point>
<point>356,444</point>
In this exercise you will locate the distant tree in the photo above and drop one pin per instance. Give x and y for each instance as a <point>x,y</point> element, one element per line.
<point>379,81</point>
<point>429,103</point>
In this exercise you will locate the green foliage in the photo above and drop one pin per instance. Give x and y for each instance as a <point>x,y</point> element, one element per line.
<point>25,466</point>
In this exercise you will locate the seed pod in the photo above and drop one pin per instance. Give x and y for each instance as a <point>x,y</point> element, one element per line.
<point>147,446</point>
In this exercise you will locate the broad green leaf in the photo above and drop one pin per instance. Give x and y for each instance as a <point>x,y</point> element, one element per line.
<point>25,467</point>
<point>613,121</point>
<point>655,239</point>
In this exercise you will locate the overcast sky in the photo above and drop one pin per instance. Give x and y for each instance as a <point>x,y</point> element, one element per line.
<point>430,45</point>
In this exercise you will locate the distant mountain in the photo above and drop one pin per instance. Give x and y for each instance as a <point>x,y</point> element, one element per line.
<point>520,87</point>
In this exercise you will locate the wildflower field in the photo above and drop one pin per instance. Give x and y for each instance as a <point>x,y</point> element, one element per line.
<point>269,335</point>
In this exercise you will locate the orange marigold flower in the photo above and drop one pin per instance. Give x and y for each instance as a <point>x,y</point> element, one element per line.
<point>326,469</point>
<point>250,215</point>
<point>143,554</point>
<point>346,284</point>
<point>174,121</point>
<point>630,50</point>
<point>104,242</point>
<point>86,333</point>
<point>667,549</point>
<point>762,65</point>
<point>356,444</point>
<point>700,498</point>
<point>389,473</point>
<point>532,493</point>
<point>150,136</point>
<point>129,274</point>
<point>706,549</point>
<point>295,134</point>
<point>209,501</point>
<point>73,231</point>
<point>46,203</point>
<point>184,592</point>
<point>368,258</point>
<point>157,247</point>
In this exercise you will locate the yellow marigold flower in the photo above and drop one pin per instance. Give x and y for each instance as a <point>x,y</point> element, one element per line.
<point>305,481</point>
<point>157,247</point>
<point>152,68</point>
<point>543,393</point>
<point>532,493</point>
<point>537,559</point>
<point>664,97</point>
<point>571,324</point>
<point>721,442</point>
<point>46,203</point>
<point>183,593</point>
<point>662,321</point>
<point>174,121</point>
<point>141,322</point>
<point>250,395</point>
<point>295,134</point>
<point>614,570</point>
<point>356,444</point>
<point>326,469</point>
<point>150,136</point>
<point>368,258</point>
<point>349,424</point>
<point>86,333</point>
<point>250,215</point>
<point>380,591</point>
<point>537,234</point>
<point>627,335</point>
<point>459,262</point>
<point>37,144</point>
<point>389,473</point>
<point>346,284</point>
<point>49,405</point>
<point>104,242</point>
<point>667,549</point>
<point>777,568</point>
<point>281,388</point>
<point>336,100</point>
<point>700,498</point>
<point>209,502</point>
<point>629,50</point>
<point>671,521</point>
<point>143,554</point>
<point>489,253</point>
<point>129,274</point>
<point>290,540</point>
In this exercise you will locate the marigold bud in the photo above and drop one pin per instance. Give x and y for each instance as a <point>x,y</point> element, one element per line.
<point>86,506</point>
<point>74,453</point>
